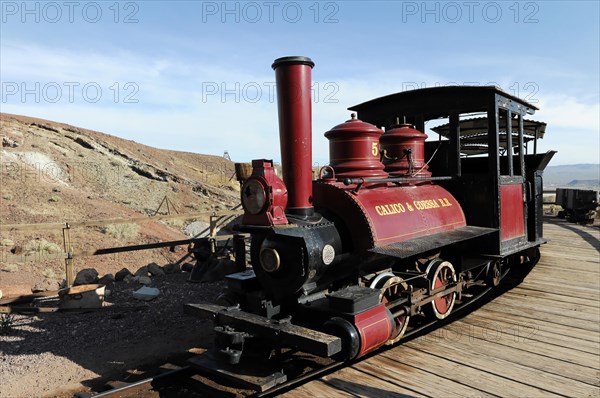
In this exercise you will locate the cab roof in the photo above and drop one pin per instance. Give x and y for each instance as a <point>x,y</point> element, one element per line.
<point>438,102</point>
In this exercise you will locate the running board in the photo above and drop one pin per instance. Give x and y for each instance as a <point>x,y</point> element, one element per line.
<point>431,242</point>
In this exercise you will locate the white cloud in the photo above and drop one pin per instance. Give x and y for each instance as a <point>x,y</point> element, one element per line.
<point>174,112</point>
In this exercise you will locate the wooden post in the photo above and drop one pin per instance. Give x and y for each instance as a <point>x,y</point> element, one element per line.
<point>212,233</point>
<point>69,272</point>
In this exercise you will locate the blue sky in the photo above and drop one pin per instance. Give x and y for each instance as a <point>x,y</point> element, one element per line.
<point>196,75</point>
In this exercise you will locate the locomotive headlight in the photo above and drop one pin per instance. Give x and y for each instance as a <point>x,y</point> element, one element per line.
<point>253,196</point>
<point>269,260</point>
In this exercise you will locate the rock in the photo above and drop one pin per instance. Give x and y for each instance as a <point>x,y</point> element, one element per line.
<point>143,271</point>
<point>187,267</point>
<point>155,269</point>
<point>107,279</point>
<point>119,276</point>
<point>45,285</point>
<point>197,228</point>
<point>0,294</point>
<point>217,269</point>
<point>172,268</point>
<point>86,276</point>
<point>128,278</point>
<point>231,227</point>
<point>202,250</point>
<point>146,293</point>
<point>144,280</point>
<point>7,142</point>
<point>200,190</point>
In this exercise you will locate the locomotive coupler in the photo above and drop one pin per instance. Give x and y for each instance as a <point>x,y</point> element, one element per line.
<point>233,346</point>
<point>229,344</point>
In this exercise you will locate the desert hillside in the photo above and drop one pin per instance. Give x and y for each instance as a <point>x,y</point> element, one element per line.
<point>53,172</point>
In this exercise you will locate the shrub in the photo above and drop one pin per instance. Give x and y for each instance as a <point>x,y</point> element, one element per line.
<point>121,231</point>
<point>11,268</point>
<point>48,273</point>
<point>42,247</point>
<point>6,323</point>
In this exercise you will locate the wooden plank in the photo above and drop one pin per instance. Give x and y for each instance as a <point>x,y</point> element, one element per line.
<point>564,284</point>
<point>523,292</point>
<point>540,331</point>
<point>584,321</point>
<point>566,330</point>
<point>515,375</point>
<point>573,274</point>
<point>536,356</point>
<point>551,263</point>
<point>489,383</point>
<point>318,388</point>
<point>533,381</point>
<point>533,332</point>
<point>422,381</point>
<point>361,384</point>
<point>575,311</point>
<point>98,223</point>
<point>558,318</point>
<point>555,286</point>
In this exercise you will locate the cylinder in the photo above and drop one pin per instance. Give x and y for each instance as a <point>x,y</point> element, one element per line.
<point>293,78</point>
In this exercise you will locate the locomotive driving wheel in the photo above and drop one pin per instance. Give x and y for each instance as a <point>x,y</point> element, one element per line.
<point>440,274</point>
<point>391,288</point>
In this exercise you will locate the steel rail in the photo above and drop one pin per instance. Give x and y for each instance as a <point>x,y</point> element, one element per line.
<point>137,385</point>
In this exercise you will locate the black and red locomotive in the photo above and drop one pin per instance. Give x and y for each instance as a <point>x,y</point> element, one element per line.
<point>393,228</point>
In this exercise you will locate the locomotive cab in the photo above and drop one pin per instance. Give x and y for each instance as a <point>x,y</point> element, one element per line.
<point>496,179</point>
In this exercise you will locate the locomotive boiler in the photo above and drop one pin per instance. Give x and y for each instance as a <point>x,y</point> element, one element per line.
<point>393,228</point>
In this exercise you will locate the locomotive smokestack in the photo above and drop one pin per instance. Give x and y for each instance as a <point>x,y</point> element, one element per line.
<point>293,77</point>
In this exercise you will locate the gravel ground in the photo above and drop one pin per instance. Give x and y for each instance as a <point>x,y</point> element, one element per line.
<point>51,354</point>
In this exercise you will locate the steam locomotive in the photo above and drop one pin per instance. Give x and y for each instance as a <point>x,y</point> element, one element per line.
<point>393,228</point>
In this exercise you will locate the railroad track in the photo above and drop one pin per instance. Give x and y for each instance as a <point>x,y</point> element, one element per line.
<point>176,377</point>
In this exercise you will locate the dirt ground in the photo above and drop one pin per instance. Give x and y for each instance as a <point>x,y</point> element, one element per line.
<point>55,354</point>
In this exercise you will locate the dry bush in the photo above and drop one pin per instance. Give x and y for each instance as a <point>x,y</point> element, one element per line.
<point>6,323</point>
<point>121,231</point>
<point>11,268</point>
<point>7,242</point>
<point>176,223</point>
<point>41,246</point>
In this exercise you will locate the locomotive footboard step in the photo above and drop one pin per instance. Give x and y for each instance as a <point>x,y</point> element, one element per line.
<point>255,376</point>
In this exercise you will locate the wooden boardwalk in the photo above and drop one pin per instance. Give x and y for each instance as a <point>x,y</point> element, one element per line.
<point>540,339</point>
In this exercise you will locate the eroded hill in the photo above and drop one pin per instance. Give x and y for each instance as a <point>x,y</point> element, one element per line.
<point>54,172</point>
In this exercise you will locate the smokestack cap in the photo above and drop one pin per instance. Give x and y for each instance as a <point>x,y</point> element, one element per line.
<point>294,60</point>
